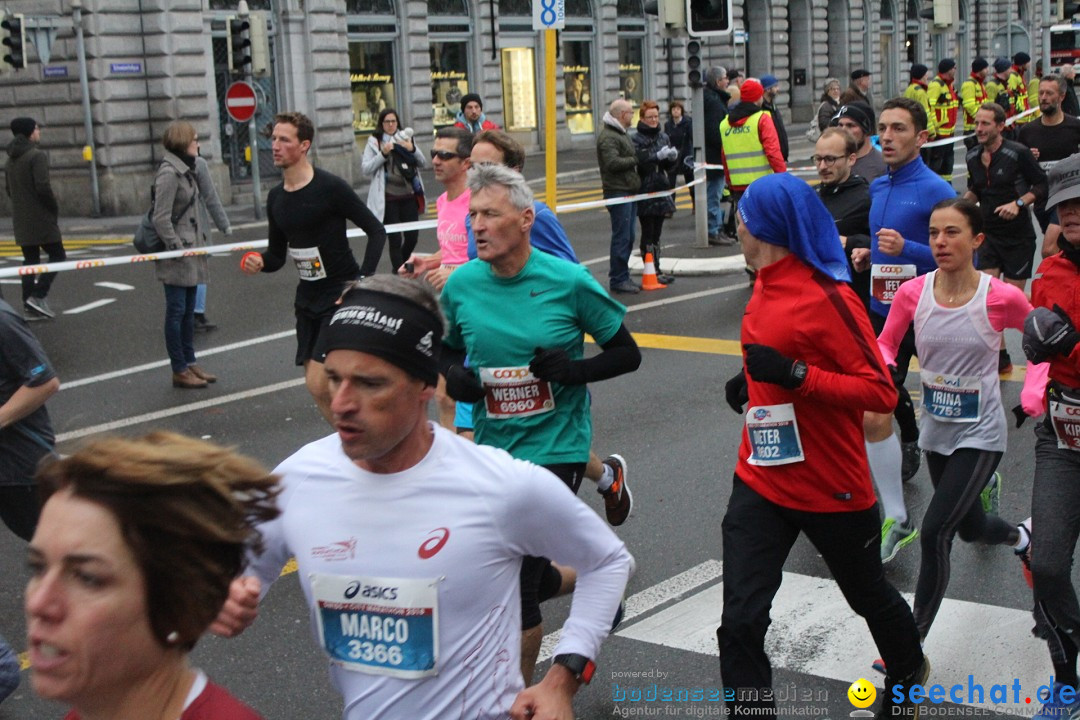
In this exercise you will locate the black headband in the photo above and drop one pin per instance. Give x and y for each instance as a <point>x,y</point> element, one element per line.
<point>389,326</point>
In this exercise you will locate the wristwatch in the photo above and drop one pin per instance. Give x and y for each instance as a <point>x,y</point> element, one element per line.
<point>798,372</point>
<point>580,666</point>
<point>1020,202</point>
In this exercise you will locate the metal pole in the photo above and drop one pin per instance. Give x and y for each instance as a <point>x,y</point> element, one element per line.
<point>253,136</point>
<point>701,222</point>
<point>1008,29</point>
<point>88,122</point>
<point>550,137</point>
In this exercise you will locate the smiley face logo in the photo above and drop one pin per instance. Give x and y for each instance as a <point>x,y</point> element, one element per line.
<point>861,693</point>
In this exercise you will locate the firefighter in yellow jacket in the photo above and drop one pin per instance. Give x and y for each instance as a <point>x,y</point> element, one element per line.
<point>972,95</point>
<point>1033,89</point>
<point>916,90</point>
<point>1018,88</point>
<point>945,106</point>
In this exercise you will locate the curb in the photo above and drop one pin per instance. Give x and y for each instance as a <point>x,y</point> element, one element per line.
<point>695,267</point>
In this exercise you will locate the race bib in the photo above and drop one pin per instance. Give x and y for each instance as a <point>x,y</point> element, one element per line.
<point>774,435</point>
<point>309,263</point>
<point>1066,419</point>
<point>885,280</point>
<point>379,626</point>
<point>951,398</point>
<point>513,392</point>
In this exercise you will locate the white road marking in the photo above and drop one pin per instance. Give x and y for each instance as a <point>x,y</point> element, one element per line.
<point>165,363</point>
<point>89,306</point>
<point>651,597</point>
<point>814,631</point>
<point>683,298</point>
<point>178,410</point>
<point>114,285</point>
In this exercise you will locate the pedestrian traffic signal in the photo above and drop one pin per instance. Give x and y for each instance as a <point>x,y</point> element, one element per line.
<point>693,63</point>
<point>239,45</point>
<point>13,39</point>
<point>705,18</point>
<point>260,44</point>
<point>670,13</point>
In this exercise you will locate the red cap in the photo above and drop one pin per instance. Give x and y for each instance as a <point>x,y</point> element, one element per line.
<point>751,91</point>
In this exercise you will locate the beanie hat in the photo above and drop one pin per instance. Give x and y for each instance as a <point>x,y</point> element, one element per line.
<point>918,71</point>
<point>1021,58</point>
<point>860,73</point>
<point>946,65</point>
<point>859,112</point>
<point>23,126</point>
<point>767,81</point>
<point>979,64</point>
<point>751,90</point>
<point>1001,65</point>
<point>471,97</point>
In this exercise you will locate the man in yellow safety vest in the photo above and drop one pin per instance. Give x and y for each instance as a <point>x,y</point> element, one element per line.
<point>946,107</point>
<point>972,96</point>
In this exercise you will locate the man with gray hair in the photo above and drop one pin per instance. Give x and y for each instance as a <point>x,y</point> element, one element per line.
<point>716,105</point>
<point>619,177</point>
<point>521,316</point>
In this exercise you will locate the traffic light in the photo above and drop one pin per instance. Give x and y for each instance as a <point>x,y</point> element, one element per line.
<point>239,45</point>
<point>693,63</point>
<point>13,34</point>
<point>670,13</point>
<point>705,18</point>
<point>260,44</point>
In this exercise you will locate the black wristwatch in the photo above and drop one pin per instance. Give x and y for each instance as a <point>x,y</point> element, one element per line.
<point>798,372</point>
<point>580,666</point>
<point>1020,202</point>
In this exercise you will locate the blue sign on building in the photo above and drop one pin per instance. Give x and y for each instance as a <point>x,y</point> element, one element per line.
<point>131,68</point>
<point>55,71</point>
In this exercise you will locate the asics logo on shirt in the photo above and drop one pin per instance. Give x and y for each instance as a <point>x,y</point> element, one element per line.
<point>433,544</point>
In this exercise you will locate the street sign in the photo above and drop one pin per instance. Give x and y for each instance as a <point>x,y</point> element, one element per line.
<point>549,14</point>
<point>240,101</point>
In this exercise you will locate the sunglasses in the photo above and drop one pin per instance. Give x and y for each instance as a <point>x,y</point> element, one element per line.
<point>445,155</point>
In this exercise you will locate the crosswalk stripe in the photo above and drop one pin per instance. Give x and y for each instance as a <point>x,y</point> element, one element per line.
<point>814,632</point>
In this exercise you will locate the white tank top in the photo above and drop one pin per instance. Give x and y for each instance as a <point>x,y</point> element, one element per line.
<point>961,391</point>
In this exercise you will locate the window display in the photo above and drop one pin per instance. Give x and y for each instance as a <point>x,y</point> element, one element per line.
<point>371,78</point>
<point>577,70</point>
<point>449,80</point>
<point>519,88</point>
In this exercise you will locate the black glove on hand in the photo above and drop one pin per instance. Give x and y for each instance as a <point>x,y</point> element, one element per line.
<point>1021,416</point>
<point>462,384</point>
<point>765,364</point>
<point>553,365</point>
<point>1048,333</point>
<point>736,393</point>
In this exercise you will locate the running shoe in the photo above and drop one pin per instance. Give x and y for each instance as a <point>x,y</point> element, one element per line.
<point>1005,365</point>
<point>991,495</point>
<point>895,536</point>
<point>40,306</point>
<point>618,500</point>
<point>905,708</point>
<point>1025,554</point>
<point>1056,708</point>
<point>32,315</point>
<point>912,456</point>
<point>879,666</point>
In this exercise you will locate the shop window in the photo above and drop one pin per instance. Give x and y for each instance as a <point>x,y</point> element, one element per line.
<point>370,7</point>
<point>515,7</point>
<point>519,88</point>
<point>371,78</point>
<point>577,74</point>
<point>449,80</point>
<point>448,7</point>
<point>231,4</point>
<point>630,8</point>
<point>631,60</point>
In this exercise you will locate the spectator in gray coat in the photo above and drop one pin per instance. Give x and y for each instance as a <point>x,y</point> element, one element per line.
<point>177,221</point>
<point>209,207</point>
<point>34,213</point>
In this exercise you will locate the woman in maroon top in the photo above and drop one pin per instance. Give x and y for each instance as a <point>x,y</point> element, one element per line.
<point>132,559</point>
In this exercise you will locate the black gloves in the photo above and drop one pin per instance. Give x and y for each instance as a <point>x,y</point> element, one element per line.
<point>554,365</point>
<point>1048,333</point>
<point>765,364</point>
<point>462,384</point>
<point>1019,414</point>
<point>736,393</point>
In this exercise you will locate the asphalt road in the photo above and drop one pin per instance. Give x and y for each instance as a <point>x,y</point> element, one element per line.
<point>668,419</point>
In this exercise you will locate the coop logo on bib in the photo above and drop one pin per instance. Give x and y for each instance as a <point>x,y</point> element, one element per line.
<point>378,625</point>
<point>514,392</point>
<point>885,280</point>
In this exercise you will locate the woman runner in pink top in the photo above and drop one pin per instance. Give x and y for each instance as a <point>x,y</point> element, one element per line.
<point>958,314</point>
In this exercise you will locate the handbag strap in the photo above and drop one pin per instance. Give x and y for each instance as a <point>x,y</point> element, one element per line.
<point>175,218</point>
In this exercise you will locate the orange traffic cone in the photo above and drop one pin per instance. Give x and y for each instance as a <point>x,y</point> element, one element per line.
<point>648,277</point>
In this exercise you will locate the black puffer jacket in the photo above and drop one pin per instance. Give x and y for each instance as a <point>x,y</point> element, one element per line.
<point>654,173</point>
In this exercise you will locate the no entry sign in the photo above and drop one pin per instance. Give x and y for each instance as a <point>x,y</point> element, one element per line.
<point>240,101</point>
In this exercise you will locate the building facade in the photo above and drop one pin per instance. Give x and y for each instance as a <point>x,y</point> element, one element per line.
<point>150,62</point>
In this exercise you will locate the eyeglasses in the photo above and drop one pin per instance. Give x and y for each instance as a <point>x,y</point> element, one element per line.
<point>445,155</point>
<point>389,120</point>
<point>829,160</point>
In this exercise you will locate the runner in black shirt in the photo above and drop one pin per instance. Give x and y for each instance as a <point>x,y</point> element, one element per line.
<point>306,215</point>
